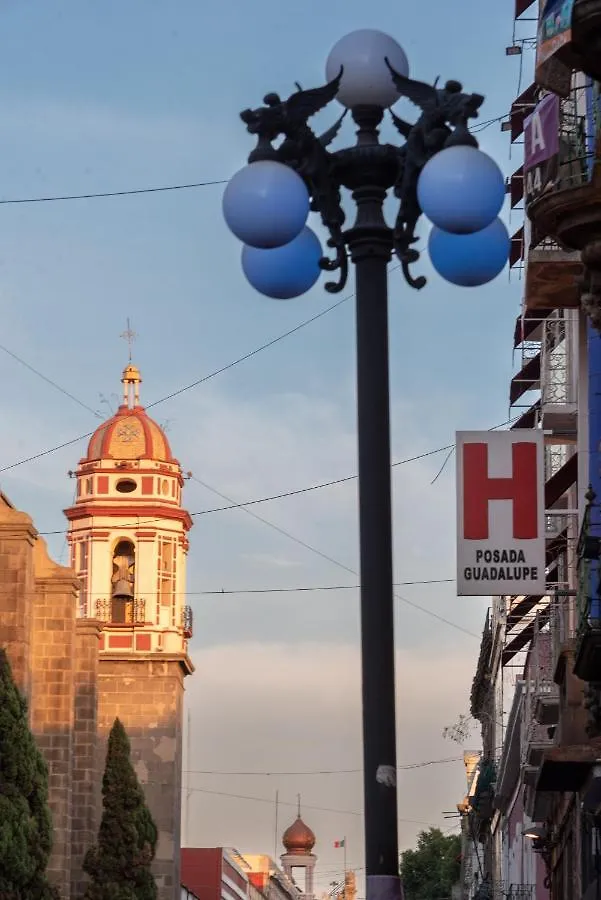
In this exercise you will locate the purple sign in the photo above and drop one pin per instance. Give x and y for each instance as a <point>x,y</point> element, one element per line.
<point>541,147</point>
<point>541,132</point>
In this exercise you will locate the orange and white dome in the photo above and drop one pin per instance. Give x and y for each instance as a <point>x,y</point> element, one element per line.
<point>131,433</point>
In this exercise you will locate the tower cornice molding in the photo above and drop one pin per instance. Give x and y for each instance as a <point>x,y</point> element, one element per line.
<point>130,512</point>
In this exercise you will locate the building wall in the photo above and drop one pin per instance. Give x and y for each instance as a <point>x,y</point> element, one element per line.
<point>146,693</point>
<point>52,661</point>
<point>214,873</point>
<point>201,871</point>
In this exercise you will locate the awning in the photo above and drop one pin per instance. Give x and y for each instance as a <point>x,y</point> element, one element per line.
<point>526,324</point>
<point>527,419</point>
<point>516,187</point>
<point>525,380</point>
<point>521,6</point>
<point>516,252</point>
<point>559,483</point>
<point>524,637</point>
<point>521,107</point>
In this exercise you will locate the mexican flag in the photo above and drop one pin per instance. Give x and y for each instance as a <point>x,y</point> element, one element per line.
<point>339,844</point>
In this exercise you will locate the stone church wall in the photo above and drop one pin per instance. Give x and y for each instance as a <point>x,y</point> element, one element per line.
<point>54,659</point>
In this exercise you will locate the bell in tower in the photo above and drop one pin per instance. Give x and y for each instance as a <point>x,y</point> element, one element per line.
<point>122,583</point>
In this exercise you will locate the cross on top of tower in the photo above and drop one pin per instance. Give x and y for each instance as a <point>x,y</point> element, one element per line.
<point>129,335</point>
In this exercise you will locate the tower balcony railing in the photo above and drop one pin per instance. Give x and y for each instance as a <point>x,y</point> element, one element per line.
<point>187,621</point>
<point>120,612</point>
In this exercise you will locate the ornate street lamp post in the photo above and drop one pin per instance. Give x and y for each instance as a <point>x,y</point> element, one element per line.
<point>266,205</point>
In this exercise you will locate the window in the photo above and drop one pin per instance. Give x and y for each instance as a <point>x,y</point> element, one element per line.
<point>126,485</point>
<point>79,561</point>
<point>166,580</point>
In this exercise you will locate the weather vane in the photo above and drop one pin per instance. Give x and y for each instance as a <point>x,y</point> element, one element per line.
<point>129,335</point>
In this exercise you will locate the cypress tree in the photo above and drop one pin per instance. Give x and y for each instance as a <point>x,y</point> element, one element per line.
<point>25,821</point>
<point>119,864</point>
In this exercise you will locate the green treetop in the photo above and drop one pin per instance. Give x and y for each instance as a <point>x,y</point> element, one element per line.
<point>430,871</point>
<point>25,821</point>
<point>119,864</point>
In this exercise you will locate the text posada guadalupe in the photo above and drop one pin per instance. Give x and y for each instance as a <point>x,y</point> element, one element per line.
<point>500,565</point>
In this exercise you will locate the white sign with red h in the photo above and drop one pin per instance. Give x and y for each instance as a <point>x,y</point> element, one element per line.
<point>500,513</point>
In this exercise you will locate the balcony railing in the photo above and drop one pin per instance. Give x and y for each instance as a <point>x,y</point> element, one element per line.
<point>588,643</point>
<point>121,612</point>
<point>563,627</point>
<point>557,376</point>
<point>187,621</point>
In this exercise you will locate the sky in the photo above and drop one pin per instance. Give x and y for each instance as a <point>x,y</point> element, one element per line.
<point>112,96</point>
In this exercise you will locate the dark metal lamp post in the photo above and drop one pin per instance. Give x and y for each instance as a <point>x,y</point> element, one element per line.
<point>366,78</point>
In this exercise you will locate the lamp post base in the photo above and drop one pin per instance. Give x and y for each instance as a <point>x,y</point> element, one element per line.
<point>383,887</point>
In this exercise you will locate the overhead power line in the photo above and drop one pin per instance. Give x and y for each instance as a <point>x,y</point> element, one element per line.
<point>331,559</point>
<point>129,193</point>
<point>140,520</point>
<point>49,381</point>
<point>57,198</point>
<point>269,800</point>
<point>225,368</point>
<point>277,774</point>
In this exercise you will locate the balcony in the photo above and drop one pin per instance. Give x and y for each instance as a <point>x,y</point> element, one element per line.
<point>187,622</point>
<point>585,50</point>
<point>537,740</point>
<point>119,612</point>
<point>588,641</point>
<point>564,204</point>
<point>563,631</point>
<point>551,277</point>
<point>558,378</point>
<point>565,765</point>
<point>482,801</point>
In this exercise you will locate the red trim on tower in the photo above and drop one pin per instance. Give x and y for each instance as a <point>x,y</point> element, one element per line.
<point>147,484</point>
<point>143,642</point>
<point>119,642</point>
<point>102,484</point>
<point>146,510</point>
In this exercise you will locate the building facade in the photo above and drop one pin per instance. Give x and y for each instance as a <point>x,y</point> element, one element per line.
<point>106,638</point>
<point>219,873</point>
<point>532,817</point>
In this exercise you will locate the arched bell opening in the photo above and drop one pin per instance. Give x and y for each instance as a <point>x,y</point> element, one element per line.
<point>123,583</point>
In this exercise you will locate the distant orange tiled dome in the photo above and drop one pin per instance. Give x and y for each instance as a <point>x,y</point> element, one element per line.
<point>298,838</point>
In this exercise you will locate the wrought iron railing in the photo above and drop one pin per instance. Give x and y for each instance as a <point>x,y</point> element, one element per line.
<point>519,892</point>
<point>588,599</point>
<point>121,612</point>
<point>557,379</point>
<point>188,621</point>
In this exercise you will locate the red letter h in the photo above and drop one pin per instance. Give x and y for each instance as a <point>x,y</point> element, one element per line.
<point>479,489</point>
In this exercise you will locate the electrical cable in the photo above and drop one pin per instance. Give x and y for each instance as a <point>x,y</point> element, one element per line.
<point>188,387</point>
<point>129,193</point>
<point>278,774</point>
<point>50,382</point>
<point>269,800</point>
<point>332,560</point>
<point>153,190</point>
<point>282,495</point>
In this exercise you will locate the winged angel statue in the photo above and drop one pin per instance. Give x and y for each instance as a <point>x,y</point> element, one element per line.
<point>443,122</point>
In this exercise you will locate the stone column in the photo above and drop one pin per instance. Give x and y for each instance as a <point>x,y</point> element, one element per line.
<point>52,699</point>
<point>146,693</point>
<point>17,538</point>
<point>86,762</point>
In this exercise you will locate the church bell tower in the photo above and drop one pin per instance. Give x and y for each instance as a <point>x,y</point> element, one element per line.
<point>128,536</point>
